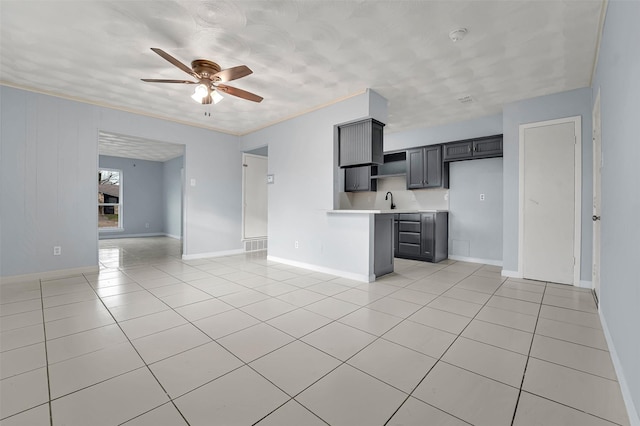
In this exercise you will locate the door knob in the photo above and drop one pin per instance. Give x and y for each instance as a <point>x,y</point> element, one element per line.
<point>594,217</point>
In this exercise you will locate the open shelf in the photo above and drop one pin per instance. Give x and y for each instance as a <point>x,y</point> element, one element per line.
<point>389,175</point>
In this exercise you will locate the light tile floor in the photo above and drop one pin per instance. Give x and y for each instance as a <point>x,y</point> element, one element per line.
<point>240,340</point>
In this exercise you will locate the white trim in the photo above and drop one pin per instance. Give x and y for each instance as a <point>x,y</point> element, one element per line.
<point>212,254</point>
<point>476,260</point>
<point>150,234</point>
<point>585,284</point>
<point>50,275</point>
<point>175,237</point>
<point>511,274</point>
<point>324,270</point>
<point>632,412</point>
<point>577,233</point>
<point>186,123</point>
<point>594,66</point>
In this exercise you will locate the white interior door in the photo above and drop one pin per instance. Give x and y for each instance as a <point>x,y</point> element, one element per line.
<point>254,194</point>
<point>597,176</point>
<point>549,201</point>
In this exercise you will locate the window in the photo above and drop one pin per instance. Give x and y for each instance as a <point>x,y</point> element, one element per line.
<point>109,199</point>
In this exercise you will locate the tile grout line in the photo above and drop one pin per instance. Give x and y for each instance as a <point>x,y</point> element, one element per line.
<point>46,355</point>
<point>443,353</point>
<point>524,373</point>
<point>141,358</point>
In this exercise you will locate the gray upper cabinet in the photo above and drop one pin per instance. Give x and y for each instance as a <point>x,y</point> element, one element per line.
<point>359,179</point>
<point>424,168</point>
<point>360,143</point>
<point>471,149</point>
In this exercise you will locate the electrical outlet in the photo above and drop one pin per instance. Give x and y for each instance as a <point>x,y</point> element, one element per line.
<point>146,225</point>
<point>295,244</point>
<point>57,250</point>
<point>481,197</point>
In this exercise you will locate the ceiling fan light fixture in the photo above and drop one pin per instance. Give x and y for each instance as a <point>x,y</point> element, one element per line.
<point>201,92</point>
<point>217,97</point>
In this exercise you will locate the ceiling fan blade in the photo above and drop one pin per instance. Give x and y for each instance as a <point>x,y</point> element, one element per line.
<point>176,62</point>
<point>232,73</point>
<point>239,93</point>
<point>155,80</point>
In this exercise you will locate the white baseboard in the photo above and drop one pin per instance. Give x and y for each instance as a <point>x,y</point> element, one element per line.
<point>110,236</point>
<point>585,284</point>
<point>632,412</point>
<point>175,237</point>
<point>50,275</point>
<point>212,254</point>
<point>325,270</point>
<point>475,260</point>
<point>511,274</point>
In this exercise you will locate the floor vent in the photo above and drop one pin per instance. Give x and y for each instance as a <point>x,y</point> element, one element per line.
<point>255,245</point>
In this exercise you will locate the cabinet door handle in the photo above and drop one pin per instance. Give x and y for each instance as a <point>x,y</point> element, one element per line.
<point>469,149</point>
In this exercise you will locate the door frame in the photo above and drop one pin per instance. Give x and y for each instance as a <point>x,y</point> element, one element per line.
<point>597,184</point>
<point>577,234</point>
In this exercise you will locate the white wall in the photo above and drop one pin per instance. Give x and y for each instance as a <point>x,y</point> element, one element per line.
<point>172,197</point>
<point>617,78</point>
<point>49,152</point>
<point>301,157</point>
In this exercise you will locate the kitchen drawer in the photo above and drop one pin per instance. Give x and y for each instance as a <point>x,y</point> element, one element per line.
<point>409,237</point>
<point>409,226</point>
<point>410,216</point>
<point>410,249</point>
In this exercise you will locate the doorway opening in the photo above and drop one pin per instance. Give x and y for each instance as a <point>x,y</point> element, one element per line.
<point>255,199</point>
<point>151,201</point>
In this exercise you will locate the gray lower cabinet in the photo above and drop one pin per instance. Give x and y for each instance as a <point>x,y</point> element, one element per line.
<point>359,179</point>
<point>424,168</point>
<point>422,236</point>
<point>383,244</point>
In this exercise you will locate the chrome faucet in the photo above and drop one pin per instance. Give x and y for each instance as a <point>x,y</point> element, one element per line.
<point>386,197</point>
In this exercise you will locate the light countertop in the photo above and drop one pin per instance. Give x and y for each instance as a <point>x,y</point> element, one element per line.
<point>387,211</point>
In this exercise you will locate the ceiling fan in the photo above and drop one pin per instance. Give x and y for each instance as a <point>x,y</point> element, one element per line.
<point>209,76</point>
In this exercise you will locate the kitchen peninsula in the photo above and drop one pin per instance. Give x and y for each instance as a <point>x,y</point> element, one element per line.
<point>386,233</point>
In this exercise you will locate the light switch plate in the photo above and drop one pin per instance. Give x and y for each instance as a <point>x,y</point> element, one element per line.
<point>269,178</point>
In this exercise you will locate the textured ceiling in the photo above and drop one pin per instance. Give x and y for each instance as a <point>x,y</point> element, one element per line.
<point>133,147</point>
<point>304,54</point>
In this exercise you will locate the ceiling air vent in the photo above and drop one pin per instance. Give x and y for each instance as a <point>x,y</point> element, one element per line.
<point>465,99</point>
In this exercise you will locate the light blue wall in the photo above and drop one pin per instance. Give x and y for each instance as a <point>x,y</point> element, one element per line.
<point>483,126</point>
<point>301,157</point>
<point>471,235</point>
<point>49,151</point>
<point>560,105</point>
<point>617,78</point>
<point>172,178</point>
<point>142,196</point>
<point>48,183</point>
<point>475,226</point>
